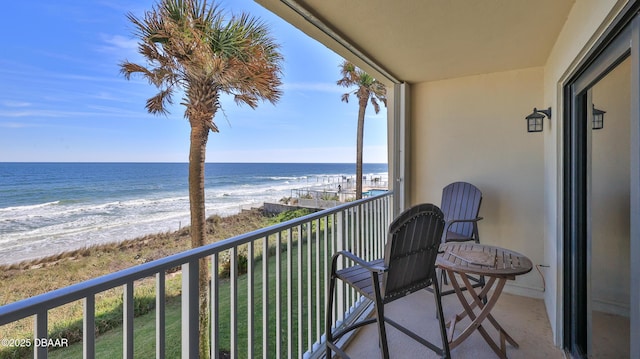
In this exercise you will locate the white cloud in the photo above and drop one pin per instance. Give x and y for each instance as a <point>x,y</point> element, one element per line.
<point>101,111</point>
<point>120,42</point>
<point>16,113</point>
<point>109,96</point>
<point>38,76</point>
<point>9,103</point>
<point>313,86</point>
<point>122,47</point>
<point>15,125</point>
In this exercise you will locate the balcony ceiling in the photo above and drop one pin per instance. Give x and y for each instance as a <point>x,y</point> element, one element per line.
<point>427,40</point>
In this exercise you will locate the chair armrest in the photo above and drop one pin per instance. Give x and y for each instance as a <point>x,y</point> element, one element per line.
<point>358,260</point>
<point>450,222</point>
<point>465,220</point>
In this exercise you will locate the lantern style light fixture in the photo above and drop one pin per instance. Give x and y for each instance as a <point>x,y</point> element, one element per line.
<point>598,118</point>
<point>535,119</point>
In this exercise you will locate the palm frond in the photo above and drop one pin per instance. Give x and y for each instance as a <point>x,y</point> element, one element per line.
<point>365,80</point>
<point>345,82</point>
<point>251,61</point>
<point>190,44</point>
<point>246,98</point>
<point>367,87</point>
<point>212,126</point>
<point>374,103</point>
<point>157,104</point>
<point>128,68</point>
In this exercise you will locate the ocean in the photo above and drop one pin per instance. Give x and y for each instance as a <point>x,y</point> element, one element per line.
<point>47,208</point>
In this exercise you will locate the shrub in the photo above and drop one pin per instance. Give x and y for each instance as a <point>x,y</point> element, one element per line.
<point>224,270</point>
<point>289,215</point>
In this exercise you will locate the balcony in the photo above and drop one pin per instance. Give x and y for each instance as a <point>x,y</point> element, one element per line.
<point>270,302</point>
<point>525,319</point>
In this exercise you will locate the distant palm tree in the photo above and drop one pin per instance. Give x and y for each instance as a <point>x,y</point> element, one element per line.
<point>367,89</point>
<point>189,45</point>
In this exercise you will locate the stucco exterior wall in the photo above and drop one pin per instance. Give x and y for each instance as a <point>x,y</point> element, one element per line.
<point>473,129</point>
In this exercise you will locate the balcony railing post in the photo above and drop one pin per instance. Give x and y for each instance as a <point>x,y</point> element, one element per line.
<point>233,299</point>
<point>127,321</point>
<point>265,297</point>
<point>215,304</point>
<point>89,327</point>
<point>160,315</point>
<point>318,290</point>
<point>40,332</point>
<point>190,306</point>
<point>352,236</point>
<point>279,295</point>
<point>339,246</point>
<point>381,230</point>
<point>299,293</point>
<point>250,301</point>
<point>325,266</point>
<point>289,267</point>
<point>327,255</point>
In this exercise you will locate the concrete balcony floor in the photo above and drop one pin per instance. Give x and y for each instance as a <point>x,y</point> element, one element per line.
<point>524,318</point>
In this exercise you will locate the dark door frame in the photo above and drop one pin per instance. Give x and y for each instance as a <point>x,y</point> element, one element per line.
<point>619,42</point>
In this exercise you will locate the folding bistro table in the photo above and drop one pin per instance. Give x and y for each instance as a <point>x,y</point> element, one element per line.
<point>498,265</point>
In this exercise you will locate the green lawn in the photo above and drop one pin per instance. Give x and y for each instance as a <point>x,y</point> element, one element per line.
<point>109,345</point>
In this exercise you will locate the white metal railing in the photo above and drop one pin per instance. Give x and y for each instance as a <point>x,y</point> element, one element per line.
<point>275,292</point>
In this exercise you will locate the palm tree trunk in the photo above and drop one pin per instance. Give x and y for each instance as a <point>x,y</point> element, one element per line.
<point>197,151</point>
<point>359,144</point>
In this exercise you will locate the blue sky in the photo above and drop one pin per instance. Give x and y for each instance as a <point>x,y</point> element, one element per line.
<point>62,97</point>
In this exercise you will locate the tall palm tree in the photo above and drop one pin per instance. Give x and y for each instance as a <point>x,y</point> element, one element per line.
<point>190,46</point>
<point>367,89</point>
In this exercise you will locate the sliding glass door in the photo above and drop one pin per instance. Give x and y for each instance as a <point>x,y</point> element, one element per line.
<point>601,202</point>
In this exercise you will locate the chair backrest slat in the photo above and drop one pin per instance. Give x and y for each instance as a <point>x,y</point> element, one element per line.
<point>461,200</point>
<point>411,250</point>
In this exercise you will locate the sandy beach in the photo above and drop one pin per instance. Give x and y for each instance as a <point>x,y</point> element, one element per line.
<point>29,278</point>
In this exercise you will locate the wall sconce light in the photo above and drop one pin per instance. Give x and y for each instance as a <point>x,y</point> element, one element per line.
<point>534,120</point>
<point>598,118</point>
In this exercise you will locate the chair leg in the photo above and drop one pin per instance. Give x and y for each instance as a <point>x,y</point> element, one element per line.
<point>446,353</point>
<point>329,312</point>
<point>380,316</point>
<point>443,278</point>
<point>382,330</point>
